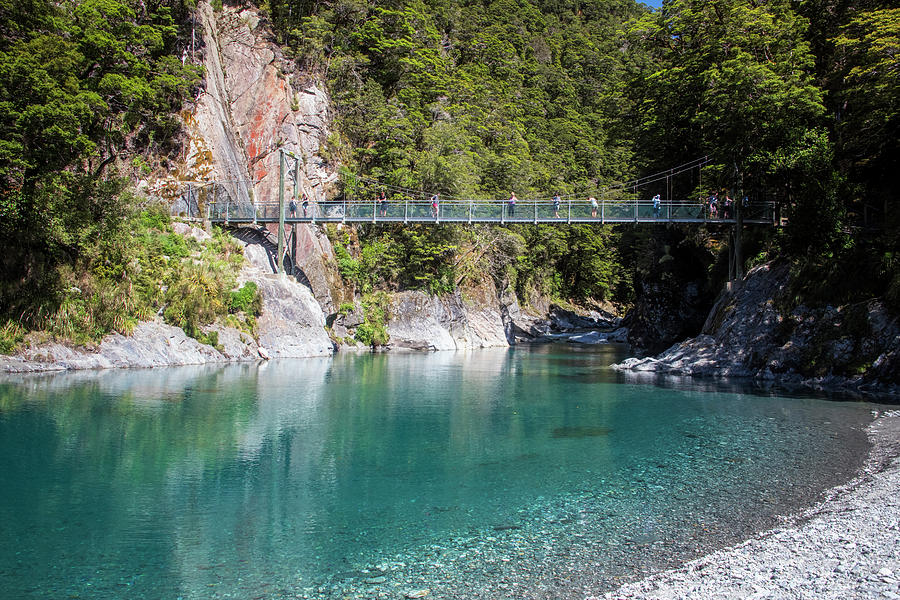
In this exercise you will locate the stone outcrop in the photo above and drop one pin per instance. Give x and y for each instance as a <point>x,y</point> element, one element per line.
<point>672,295</point>
<point>314,263</point>
<point>292,323</point>
<point>151,344</point>
<point>256,102</point>
<point>422,322</point>
<point>748,335</point>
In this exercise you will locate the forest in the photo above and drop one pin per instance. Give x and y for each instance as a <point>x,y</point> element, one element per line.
<point>795,102</point>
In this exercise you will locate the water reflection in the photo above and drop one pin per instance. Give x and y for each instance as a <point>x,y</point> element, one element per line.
<point>245,480</point>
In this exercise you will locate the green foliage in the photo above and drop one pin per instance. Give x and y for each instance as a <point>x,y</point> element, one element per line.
<point>81,84</point>
<point>246,299</point>
<point>11,335</point>
<point>572,263</point>
<point>147,269</point>
<point>730,79</point>
<point>868,46</point>
<point>373,331</point>
<point>470,100</point>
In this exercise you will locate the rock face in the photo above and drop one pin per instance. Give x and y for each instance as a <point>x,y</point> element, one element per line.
<point>292,323</point>
<point>746,335</point>
<point>314,263</point>
<point>422,322</point>
<point>151,344</point>
<point>255,102</point>
<point>673,299</point>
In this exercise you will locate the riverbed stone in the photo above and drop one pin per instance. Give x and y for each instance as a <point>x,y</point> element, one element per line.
<point>788,562</point>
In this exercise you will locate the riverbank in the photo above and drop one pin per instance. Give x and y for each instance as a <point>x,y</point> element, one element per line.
<point>847,546</point>
<point>752,333</point>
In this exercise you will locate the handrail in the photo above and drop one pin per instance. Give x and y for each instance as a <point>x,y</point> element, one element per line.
<point>488,211</point>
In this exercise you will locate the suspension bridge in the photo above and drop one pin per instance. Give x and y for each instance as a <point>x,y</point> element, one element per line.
<point>663,197</point>
<point>615,203</point>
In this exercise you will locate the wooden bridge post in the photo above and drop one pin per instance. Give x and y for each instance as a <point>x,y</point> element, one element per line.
<point>470,211</point>
<point>569,215</point>
<point>281,212</point>
<point>535,212</point>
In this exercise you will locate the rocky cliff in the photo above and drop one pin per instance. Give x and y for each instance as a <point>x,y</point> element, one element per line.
<point>254,102</point>
<point>754,332</point>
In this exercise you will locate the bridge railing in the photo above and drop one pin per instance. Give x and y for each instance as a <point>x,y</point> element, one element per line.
<point>486,211</point>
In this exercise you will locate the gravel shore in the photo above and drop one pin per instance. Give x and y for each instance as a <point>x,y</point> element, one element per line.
<point>847,546</point>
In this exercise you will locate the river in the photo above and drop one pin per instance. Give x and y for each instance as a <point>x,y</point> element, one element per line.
<point>534,472</point>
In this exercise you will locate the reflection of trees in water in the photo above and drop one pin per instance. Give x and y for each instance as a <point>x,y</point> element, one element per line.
<point>270,471</point>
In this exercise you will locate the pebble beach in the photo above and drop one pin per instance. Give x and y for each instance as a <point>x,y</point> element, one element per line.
<point>847,546</point>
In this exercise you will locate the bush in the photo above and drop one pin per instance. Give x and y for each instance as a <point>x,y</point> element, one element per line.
<point>246,299</point>
<point>11,335</point>
<point>373,331</point>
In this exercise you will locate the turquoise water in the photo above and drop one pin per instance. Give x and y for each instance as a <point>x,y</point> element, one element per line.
<point>527,473</point>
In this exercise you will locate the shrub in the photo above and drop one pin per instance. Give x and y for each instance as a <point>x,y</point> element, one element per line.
<point>246,299</point>
<point>373,331</point>
<point>11,335</point>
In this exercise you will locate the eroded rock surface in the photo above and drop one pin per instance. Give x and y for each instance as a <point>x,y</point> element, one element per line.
<point>422,322</point>
<point>151,344</point>
<point>746,335</point>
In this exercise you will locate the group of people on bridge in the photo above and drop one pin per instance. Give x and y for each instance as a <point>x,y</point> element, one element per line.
<point>713,207</point>
<point>728,205</point>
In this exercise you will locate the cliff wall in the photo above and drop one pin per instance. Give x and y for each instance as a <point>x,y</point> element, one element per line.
<point>754,332</point>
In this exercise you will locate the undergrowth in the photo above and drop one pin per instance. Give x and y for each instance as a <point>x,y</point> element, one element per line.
<point>147,269</point>
<point>373,330</point>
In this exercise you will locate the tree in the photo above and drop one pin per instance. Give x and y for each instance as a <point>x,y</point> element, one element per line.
<point>868,48</point>
<point>80,82</point>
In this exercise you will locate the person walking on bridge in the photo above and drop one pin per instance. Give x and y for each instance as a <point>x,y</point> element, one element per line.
<point>656,206</point>
<point>593,202</point>
<point>714,205</point>
<point>556,201</point>
<point>382,201</point>
<point>512,204</point>
<point>435,205</point>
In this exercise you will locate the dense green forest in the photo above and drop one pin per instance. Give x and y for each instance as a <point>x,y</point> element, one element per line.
<point>796,102</point>
<point>85,87</point>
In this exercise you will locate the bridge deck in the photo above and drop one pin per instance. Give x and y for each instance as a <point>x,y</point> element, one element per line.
<point>484,212</point>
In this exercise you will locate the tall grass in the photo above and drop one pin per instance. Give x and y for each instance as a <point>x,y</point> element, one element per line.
<point>146,269</point>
